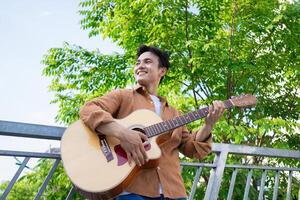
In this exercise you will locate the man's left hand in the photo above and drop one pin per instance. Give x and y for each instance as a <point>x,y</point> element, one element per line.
<point>215,113</point>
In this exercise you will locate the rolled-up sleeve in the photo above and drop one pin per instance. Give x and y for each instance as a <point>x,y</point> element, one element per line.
<point>100,110</point>
<point>192,148</point>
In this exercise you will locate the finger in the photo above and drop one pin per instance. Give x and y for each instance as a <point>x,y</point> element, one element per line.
<point>221,104</point>
<point>136,158</point>
<point>215,104</point>
<point>143,136</point>
<point>141,154</point>
<point>222,107</point>
<point>129,158</point>
<point>214,107</point>
<point>218,107</point>
<point>146,155</point>
<point>210,109</point>
<point>143,151</point>
<point>222,110</point>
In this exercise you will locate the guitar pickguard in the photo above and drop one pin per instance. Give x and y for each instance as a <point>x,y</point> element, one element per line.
<point>122,156</point>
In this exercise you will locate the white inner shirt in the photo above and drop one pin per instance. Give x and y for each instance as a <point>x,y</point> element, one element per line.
<point>157,106</point>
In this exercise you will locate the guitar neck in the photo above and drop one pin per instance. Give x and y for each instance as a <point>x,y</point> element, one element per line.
<point>168,125</point>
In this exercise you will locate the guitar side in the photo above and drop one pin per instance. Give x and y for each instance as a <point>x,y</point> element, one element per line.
<point>86,165</point>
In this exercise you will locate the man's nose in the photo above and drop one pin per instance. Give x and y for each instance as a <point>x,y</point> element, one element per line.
<point>140,66</point>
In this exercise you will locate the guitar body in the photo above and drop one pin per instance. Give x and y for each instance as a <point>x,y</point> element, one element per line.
<point>87,166</point>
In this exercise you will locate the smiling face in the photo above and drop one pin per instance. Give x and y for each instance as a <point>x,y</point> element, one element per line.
<point>147,71</point>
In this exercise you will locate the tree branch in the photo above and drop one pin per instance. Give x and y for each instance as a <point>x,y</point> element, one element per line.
<point>186,28</point>
<point>230,78</point>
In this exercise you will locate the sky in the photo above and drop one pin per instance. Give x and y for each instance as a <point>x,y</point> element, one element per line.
<point>28,29</point>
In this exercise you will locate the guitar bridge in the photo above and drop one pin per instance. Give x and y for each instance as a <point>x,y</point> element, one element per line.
<point>105,148</point>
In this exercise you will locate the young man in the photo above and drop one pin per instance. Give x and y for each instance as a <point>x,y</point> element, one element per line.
<point>163,182</point>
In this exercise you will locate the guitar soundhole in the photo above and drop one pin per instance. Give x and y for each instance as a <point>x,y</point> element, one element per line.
<point>139,130</point>
<point>146,146</point>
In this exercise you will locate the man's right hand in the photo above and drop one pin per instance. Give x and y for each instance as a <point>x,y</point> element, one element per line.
<point>132,142</point>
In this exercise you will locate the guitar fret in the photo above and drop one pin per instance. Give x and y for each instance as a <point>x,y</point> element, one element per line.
<point>175,122</point>
<point>228,104</point>
<point>147,131</point>
<point>172,123</point>
<point>156,128</point>
<point>180,119</point>
<point>165,125</point>
<point>152,130</point>
<point>206,110</point>
<point>156,131</point>
<point>195,114</point>
<point>188,119</point>
<point>202,112</point>
<point>161,128</point>
<point>169,124</point>
<point>183,119</point>
<point>179,122</point>
<point>191,116</point>
<point>199,113</point>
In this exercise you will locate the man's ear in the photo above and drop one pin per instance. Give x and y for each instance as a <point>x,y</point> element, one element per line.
<point>163,71</point>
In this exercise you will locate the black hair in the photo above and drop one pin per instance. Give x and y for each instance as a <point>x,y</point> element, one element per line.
<point>163,57</point>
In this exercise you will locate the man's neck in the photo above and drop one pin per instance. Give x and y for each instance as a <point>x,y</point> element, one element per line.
<point>151,89</point>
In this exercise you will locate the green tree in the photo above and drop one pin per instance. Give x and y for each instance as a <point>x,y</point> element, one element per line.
<point>218,49</point>
<point>28,185</point>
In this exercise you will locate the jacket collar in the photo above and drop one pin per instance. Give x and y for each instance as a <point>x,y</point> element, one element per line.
<point>140,89</point>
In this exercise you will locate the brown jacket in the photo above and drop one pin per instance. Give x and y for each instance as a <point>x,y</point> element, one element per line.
<point>119,104</point>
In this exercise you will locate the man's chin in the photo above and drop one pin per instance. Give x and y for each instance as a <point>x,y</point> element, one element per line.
<point>141,81</point>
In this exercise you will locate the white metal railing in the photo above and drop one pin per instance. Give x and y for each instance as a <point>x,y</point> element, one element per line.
<point>217,167</point>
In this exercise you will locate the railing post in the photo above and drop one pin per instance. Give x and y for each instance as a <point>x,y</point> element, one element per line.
<point>15,178</point>
<point>289,188</point>
<point>232,182</point>
<point>195,183</point>
<point>71,193</point>
<point>215,178</point>
<point>247,188</point>
<point>262,185</point>
<point>275,191</point>
<point>45,183</point>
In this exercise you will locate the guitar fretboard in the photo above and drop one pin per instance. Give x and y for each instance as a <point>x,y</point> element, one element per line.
<point>176,122</point>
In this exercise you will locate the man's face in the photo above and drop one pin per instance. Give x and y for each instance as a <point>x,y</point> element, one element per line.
<point>147,70</point>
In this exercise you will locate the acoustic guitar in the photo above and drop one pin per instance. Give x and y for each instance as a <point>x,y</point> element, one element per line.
<point>97,165</point>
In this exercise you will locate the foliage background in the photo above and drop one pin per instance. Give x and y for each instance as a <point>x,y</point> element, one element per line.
<point>217,49</point>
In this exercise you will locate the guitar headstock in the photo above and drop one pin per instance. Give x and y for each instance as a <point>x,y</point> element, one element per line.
<point>246,100</point>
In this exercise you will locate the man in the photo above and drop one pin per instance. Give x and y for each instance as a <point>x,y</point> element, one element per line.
<point>163,182</point>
